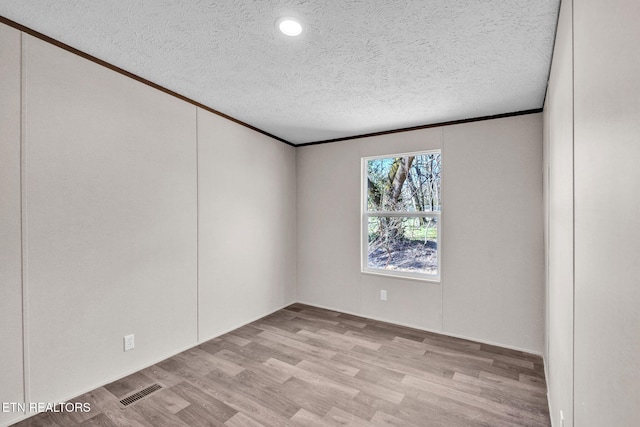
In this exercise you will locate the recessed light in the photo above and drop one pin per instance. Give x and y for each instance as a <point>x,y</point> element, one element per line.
<point>290,26</point>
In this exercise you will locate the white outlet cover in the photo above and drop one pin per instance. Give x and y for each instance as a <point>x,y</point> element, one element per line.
<point>383,295</point>
<point>129,342</point>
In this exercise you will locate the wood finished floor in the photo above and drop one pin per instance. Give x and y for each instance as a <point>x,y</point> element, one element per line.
<point>305,366</point>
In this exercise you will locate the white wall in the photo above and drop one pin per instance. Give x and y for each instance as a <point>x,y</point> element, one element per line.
<point>607,213</point>
<point>558,143</point>
<point>328,198</point>
<point>492,283</point>
<point>114,218</point>
<point>493,264</point>
<point>247,213</point>
<point>11,372</point>
<point>593,311</point>
<point>111,237</point>
<point>326,177</point>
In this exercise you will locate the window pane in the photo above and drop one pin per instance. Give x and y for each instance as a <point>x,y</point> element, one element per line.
<point>409,183</point>
<point>403,244</point>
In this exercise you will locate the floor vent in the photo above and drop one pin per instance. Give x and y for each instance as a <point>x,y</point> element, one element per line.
<point>139,395</point>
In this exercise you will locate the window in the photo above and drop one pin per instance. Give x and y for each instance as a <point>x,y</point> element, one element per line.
<point>401,215</point>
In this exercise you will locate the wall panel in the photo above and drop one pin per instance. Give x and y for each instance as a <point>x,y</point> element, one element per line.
<point>558,117</point>
<point>11,357</point>
<point>607,212</point>
<point>328,210</point>
<point>110,185</point>
<point>492,271</point>
<point>493,267</point>
<point>246,225</point>
<point>110,222</point>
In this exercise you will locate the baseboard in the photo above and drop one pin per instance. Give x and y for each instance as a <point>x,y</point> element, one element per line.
<point>146,365</point>
<point>421,328</point>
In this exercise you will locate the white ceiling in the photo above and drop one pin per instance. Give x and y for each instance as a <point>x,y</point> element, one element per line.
<point>361,66</point>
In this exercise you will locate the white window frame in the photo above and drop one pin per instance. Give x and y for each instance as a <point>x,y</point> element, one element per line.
<point>365,215</point>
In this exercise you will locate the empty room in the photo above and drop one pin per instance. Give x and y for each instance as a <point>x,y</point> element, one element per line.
<point>295,213</point>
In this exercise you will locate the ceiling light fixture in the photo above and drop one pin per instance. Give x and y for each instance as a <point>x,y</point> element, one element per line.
<point>290,26</point>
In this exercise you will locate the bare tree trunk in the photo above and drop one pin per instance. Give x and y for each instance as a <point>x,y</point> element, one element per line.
<point>397,177</point>
<point>375,194</point>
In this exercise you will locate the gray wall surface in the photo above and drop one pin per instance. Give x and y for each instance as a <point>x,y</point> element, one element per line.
<point>100,175</point>
<point>492,286</point>
<point>592,151</point>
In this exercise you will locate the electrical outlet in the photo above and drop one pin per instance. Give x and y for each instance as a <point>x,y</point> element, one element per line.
<point>383,295</point>
<point>129,342</point>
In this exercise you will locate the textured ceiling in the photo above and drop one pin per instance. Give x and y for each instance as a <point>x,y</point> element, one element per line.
<point>361,66</point>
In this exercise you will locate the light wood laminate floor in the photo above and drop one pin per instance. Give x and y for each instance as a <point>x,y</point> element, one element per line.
<point>305,366</point>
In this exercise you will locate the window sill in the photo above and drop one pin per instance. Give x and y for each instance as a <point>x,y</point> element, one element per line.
<point>405,276</point>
